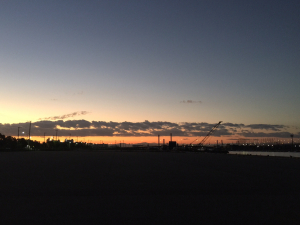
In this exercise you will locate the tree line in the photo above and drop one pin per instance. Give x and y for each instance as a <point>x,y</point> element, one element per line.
<point>9,143</point>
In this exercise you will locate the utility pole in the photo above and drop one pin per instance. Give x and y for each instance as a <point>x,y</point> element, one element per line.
<point>29,134</point>
<point>292,136</point>
<point>29,130</point>
<point>44,137</point>
<point>158,140</point>
<point>18,132</point>
<point>56,134</point>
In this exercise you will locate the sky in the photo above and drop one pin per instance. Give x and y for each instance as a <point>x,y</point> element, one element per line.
<point>115,70</point>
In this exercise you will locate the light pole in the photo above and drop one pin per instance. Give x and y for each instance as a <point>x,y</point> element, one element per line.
<point>29,134</point>
<point>18,132</point>
<point>292,136</point>
<point>29,130</point>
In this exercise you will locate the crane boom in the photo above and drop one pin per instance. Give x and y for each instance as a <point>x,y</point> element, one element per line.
<point>210,133</point>
<point>193,141</point>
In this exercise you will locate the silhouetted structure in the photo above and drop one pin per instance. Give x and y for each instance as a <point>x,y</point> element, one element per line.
<point>172,145</point>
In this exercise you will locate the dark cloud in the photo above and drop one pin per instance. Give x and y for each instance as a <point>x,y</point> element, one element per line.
<point>65,116</point>
<point>236,125</point>
<point>46,124</point>
<point>146,128</point>
<point>255,126</point>
<point>197,126</point>
<point>222,132</point>
<point>266,127</point>
<point>263,134</point>
<point>190,101</point>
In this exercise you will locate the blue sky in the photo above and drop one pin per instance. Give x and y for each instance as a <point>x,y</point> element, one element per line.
<point>236,61</point>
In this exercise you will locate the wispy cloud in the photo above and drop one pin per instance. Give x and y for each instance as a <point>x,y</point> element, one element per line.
<point>65,116</point>
<point>78,93</point>
<point>190,101</point>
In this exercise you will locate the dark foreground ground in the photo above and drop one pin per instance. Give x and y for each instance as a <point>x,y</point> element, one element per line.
<point>148,188</point>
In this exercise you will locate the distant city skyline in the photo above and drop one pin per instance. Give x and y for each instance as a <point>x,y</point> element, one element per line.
<point>184,64</point>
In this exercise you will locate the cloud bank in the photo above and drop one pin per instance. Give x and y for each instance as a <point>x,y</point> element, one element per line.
<point>146,128</point>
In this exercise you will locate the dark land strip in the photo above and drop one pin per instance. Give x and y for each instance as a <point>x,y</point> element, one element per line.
<point>148,188</point>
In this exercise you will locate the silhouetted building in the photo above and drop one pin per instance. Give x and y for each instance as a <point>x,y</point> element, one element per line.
<point>100,145</point>
<point>69,141</point>
<point>172,144</point>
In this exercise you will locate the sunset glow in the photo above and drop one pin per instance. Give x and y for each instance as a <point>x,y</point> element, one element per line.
<point>120,64</point>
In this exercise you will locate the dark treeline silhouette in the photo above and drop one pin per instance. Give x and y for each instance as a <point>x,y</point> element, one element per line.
<point>9,143</point>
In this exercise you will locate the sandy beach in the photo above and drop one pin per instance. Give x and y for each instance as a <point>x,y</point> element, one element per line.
<point>91,187</point>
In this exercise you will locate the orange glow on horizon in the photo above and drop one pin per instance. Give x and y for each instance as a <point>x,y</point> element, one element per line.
<point>111,140</point>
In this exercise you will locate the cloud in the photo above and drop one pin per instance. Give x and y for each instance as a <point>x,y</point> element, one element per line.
<point>235,125</point>
<point>145,128</point>
<point>266,127</point>
<point>262,134</point>
<point>190,101</point>
<point>65,116</point>
<point>78,93</point>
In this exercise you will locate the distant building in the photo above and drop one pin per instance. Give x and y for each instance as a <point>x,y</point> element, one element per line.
<point>100,145</point>
<point>172,144</point>
<point>138,146</point>
<point>69,141</point>
<point>52,140</point>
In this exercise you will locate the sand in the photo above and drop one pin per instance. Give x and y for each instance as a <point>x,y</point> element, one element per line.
<point>148,188</point>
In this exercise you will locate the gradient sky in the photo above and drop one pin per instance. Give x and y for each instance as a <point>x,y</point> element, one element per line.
<point>159,60</point>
